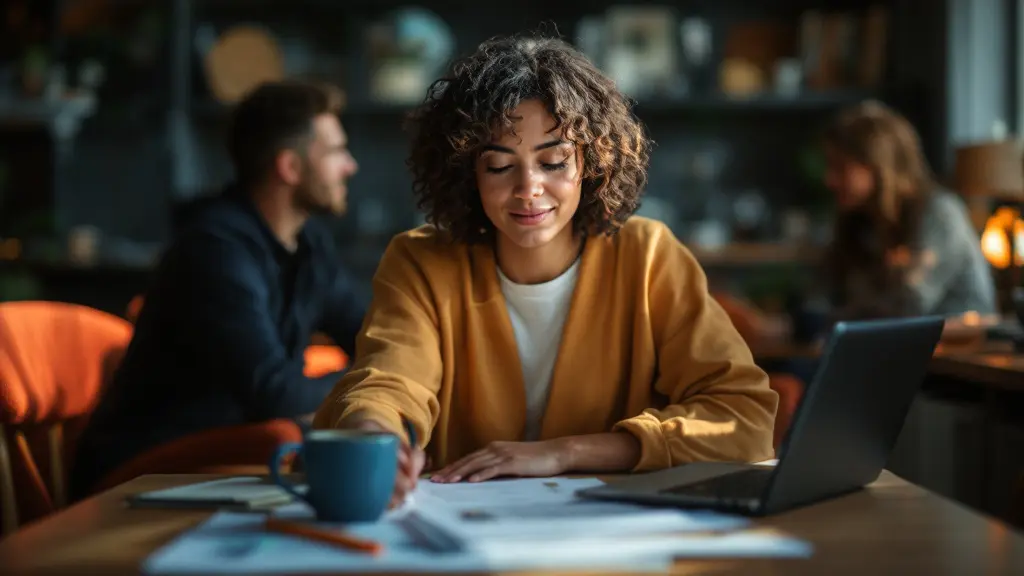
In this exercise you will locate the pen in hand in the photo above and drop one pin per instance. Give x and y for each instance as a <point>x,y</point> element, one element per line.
<point>410,431</point>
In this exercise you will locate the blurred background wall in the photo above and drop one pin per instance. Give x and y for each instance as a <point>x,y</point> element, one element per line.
<point>112,113</point>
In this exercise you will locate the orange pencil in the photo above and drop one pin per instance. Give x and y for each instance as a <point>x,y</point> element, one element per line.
<point>321,535</point>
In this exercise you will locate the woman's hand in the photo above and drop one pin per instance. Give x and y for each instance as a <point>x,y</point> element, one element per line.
<point>594,453</point>
<point>410,465</point>
<point>547,458</point>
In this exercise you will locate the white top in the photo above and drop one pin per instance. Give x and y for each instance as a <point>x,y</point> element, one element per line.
<point>538,313</point>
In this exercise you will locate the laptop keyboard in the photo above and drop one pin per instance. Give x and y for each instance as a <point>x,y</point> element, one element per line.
<point>742,485</point>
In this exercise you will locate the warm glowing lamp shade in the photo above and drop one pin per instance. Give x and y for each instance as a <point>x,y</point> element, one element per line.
<point>990,170</point>
<point>1018,241</point>
<point>1003,227</point>
<point>996,247</point>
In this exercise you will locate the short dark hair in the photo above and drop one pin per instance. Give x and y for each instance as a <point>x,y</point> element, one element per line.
<point>476,98</point>
<point>275,116</point>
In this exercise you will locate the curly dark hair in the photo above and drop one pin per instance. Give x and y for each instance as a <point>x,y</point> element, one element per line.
<point>475,100</point>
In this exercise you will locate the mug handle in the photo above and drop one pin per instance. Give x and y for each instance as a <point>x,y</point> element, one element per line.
<point>280,453</point>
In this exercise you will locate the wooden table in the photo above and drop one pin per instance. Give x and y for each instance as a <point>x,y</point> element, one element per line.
<point>892,527</point>
<point>994,365</point>
<point>990,364</point>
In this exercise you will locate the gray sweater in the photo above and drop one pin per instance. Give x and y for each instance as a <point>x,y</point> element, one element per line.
<point>946,273</point>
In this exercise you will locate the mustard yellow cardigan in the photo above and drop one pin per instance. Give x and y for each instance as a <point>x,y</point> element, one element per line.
<point>645,349</point>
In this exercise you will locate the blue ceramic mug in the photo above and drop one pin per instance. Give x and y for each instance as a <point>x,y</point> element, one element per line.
<point>351,473</point>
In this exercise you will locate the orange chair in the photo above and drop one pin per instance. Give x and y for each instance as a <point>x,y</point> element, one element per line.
<point>55,359</point>
<point>743,316</point>
<point>228,450</point>
<point>789,388</point>
<point>321,360</point>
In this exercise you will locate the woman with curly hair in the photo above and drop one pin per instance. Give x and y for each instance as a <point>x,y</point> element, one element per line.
<point>535,327</point>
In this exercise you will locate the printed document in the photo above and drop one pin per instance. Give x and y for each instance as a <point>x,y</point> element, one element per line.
<point>505,525</point>
<point>542,508</point>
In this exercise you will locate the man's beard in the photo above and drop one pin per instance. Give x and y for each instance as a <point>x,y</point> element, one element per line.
<point>317,198</point>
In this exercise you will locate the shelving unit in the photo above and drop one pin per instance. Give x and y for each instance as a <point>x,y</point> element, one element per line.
<point>799,103</point>
<point>184,125</point>
<point>758,254</point>
<point>206,109</point>
<point>62,117</point>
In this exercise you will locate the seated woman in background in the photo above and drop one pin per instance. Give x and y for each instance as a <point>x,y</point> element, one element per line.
<point>537,327</point>
<point>902,245</point>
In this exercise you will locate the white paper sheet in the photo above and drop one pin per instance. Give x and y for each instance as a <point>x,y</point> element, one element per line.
<point>511,492</point>
<point>540,509</point>
<point>232,543</point>
<point>511,525</point>
<point>732,545</point>
<point>241,491</point>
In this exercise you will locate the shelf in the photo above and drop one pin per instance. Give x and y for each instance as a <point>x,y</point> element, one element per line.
<point>63,117</point>
<point>71,268</point>
<point>757,254</point>
<point>808,102</point>
<point>735,255</point>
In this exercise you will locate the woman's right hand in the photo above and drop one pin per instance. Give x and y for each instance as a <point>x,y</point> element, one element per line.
<point>410,465</point>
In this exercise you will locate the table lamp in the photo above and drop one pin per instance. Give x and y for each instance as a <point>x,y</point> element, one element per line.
<point>990,175</point>
<point>987,173</point>
<point>1002,242</point>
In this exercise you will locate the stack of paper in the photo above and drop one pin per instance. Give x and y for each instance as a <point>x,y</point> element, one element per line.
<point>232,543</point>
<point>510,519</point>
<point>238,493</point>
<point>544,509</point>
<point>494,526</point>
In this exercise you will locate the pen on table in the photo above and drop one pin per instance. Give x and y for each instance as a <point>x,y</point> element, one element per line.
<point>333,537</point>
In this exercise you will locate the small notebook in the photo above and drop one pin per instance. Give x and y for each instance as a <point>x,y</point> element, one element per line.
<point>242,493</point>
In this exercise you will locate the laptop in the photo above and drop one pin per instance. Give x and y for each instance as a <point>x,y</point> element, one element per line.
<point>838,441</point>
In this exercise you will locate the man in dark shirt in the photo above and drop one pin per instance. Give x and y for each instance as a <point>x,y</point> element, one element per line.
<point>247,280</point>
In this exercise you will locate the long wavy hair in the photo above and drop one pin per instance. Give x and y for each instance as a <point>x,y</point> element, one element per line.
<point>475,100</point>
<point>866,239</point>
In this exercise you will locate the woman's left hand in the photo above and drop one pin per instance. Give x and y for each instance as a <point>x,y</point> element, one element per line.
<point>541,459</point>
